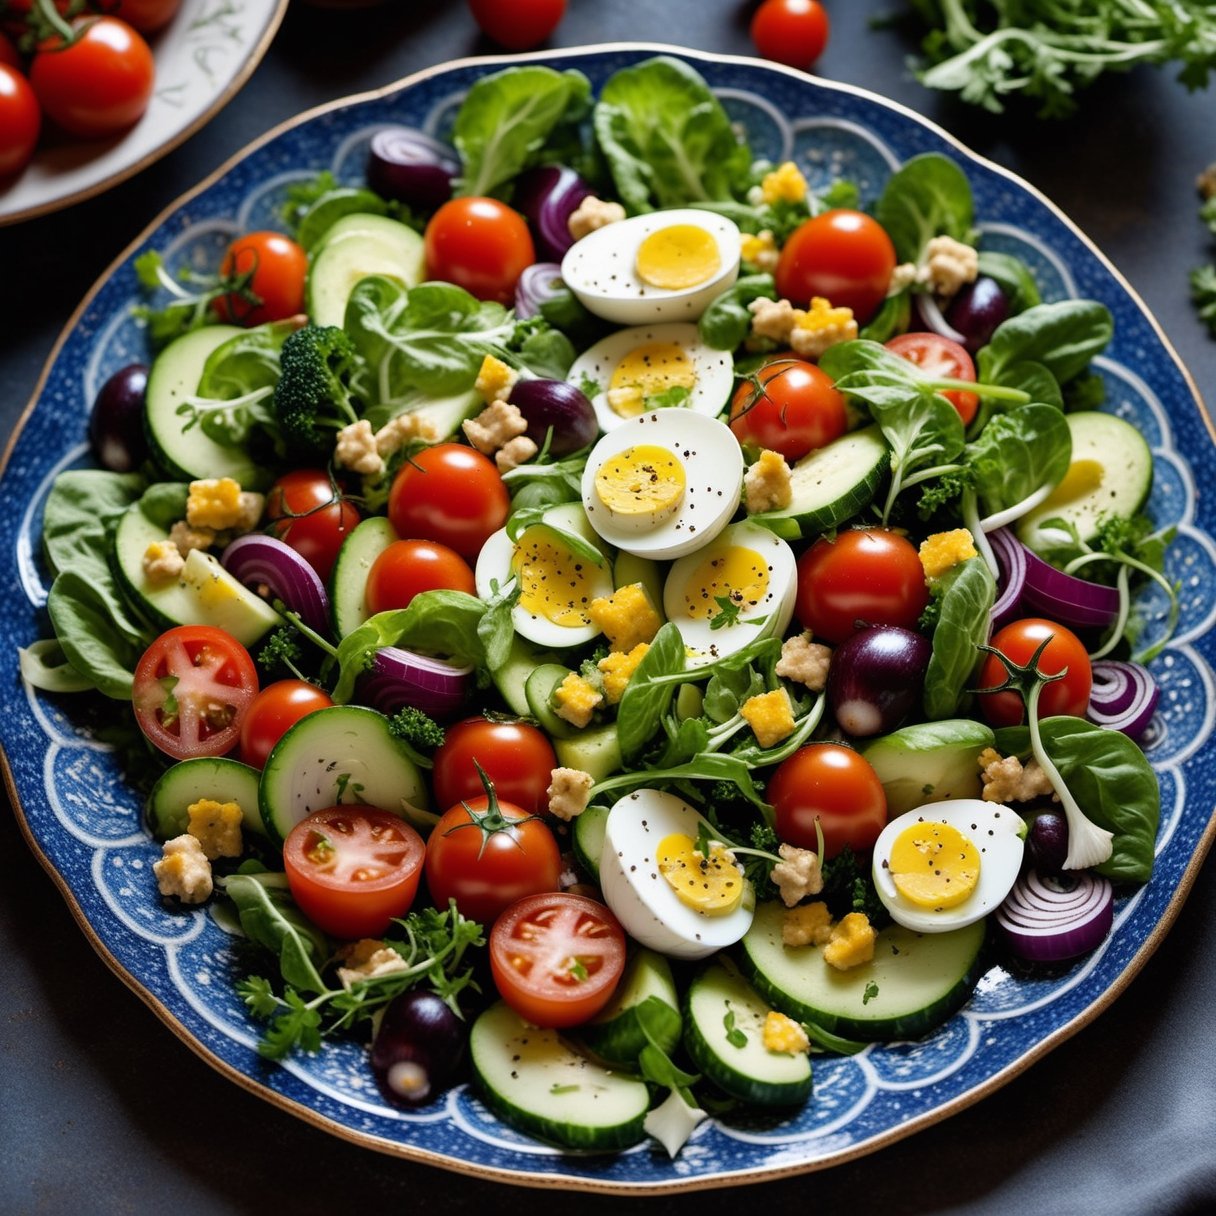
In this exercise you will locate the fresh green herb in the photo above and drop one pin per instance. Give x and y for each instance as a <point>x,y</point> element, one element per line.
<point>556,1089</point>
<point>281,655</point>
<point>734,1036</point>
<point>869,993</point>
<point>191,297</point>
<point>418,731</point>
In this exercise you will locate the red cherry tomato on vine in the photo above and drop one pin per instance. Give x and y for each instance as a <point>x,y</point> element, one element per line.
<point>794,32</point>
<point>20,121</point>
<point>556,958</point>
<point>352,869</point>
<point>449,493</point>
<point>795,409</point>
<point>834,785</point>
<point>98,85</point>
<point>311,516</point>
<point>276,268</point>
<point>941,357</point>
<point>518,759</point>
<point>842,255</point>
<point>519,25</point>
<point>479,244</point>
<point>1018,641</point>
<point>276,708</point>
<point>865,576</point>
<point>192,689</point>
<point>406,568</point>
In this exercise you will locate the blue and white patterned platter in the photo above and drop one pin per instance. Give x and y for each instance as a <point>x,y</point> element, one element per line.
<point>84,822</point>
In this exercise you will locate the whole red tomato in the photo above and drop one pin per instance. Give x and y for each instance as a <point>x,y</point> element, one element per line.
<point>20,121</point>
<point>276,708</point>
<point>794,409</point>
<point>146,15</point>
<point>311,516</point>
<point>519,25</point>
<point>794,32</point>
<point>275,267</point>
<point>1064,652</point>
<point>479,244</point>
<point>516,757</point>
<point>407,568</point>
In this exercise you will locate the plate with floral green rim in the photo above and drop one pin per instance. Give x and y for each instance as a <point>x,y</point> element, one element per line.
<point>84,822</point>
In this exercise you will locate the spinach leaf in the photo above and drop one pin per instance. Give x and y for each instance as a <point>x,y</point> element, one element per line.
<point>164,502</point>
<point>966,596</point>
<point>270,918</point>
<point>667,140</point>
<point>645,700</point>
<point>234,393</point>
<point>506,119</point>
<point>727,321</point>
<point>543,350</point>
<point>80,507</point>
<point>100,640</point>
<point>925,432</point>
<point>1019,452</point>
<point>1063,337</point>
<point>929,196</point>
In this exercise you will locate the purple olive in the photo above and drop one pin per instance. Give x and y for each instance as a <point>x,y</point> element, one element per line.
<point>976,311</point>
<point>556,404</point>
<point>876,677</point>
<point>418,1049</point>
<point>1047,842</point>
<point>116,424</point>
<point>411,167</point>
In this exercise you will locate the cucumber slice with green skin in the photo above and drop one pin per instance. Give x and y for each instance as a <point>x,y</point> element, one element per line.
<point>914,983</point>
<point>191,454</point>
<point>348,582</point>
<point>724,1036</point>
<point>647,990</point>
<point>929,761</point>
<point>1111,474</point>
<point>831,485</point>
<point>538,692</point>
<point>340,755</point>
<point>511,679</point>
<point>189,781</point>
<point>357,246</point>
<point>204,593</point>
<point>595,749</point>
<point>535,1082</point>
<point>629,568</point>
<point>587,839</point>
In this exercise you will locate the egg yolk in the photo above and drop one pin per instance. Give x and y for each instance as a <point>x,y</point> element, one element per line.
<point>733,572</point>
<point>711,885</point>
<point>646,371</point>
<point>933,865</point>
<point>554,583</point>
<point>641,486</point>
<point>677,257</point>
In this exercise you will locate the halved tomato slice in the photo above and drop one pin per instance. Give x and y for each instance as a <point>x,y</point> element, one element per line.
<point>939,356</point>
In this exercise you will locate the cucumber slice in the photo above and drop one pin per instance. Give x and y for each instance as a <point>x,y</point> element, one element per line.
<point>928,762</point>
<point>724,1036</point>
<point>445,414</point>
<point>203,594</point>
<point>357,246</point>
<point>348,582</point>
<point>631,568</point>
<point>1111,474</point>
<point>596,750</point>
<point>538,692</point>
<point>191,454</point>
<point>343,754</point>
<point>537,1083</point>
<point>646,990</point>
<point>831,485</point>
<point>511,679</point>
<point>587,838</point>
<point>914,983</point>
<point>188,781</point>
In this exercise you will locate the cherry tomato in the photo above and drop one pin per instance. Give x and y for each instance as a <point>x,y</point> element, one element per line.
<point>517,758</point>
<point>793,32</point>
<point>1065,652</point>
<point>352,869</point>
<point>277,707</point>
<point>311,516</point>
<point>449,493</point>
<point>20,121</point>
<point>98,85</point>
<point>519,25</point>
<point>9,55</point>
<point>408,567</point>
<point>192,689</point>
<point>485,854</point>
<point>794,409</point>
<point>145,15</point>
<point>837,786</point>
<point>276,267</point>
<point>944,358</point>
<point>864,576</point>
<point>842,255</point>
<point>479,244</point>
<point>557,958</point>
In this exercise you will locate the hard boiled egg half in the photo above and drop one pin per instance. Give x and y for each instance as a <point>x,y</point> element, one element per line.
<point>664,483</point>
<point>948,864</point>
<point>662,266</point>
<point>649,367</point>
<point>666,894</point>
<point>553,563</point>
<point>739,587</point>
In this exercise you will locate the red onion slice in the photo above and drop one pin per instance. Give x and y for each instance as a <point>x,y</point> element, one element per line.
<point>547,197</point>
<point>1011,558</point>
<point>403,677</point>
<point>539,283</point>
<point>1050,920</point>
<point>274,570</point>
<point>1065,598</point>
<point>410,166</point>
<point>1124,697</point>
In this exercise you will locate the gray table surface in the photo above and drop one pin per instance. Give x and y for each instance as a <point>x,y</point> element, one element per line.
<point>103,1110</point>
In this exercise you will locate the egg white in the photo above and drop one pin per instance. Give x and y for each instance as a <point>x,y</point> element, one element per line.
<point>770,617</point>
<point>601,269</point>
<point>643,900</point>
<point>713,468</point>
<point>997,831</point>
<point>494,569</point>
<point>714,369</point>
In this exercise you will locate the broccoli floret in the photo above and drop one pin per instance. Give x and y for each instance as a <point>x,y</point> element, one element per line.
<point>313,399</point>
<point>419,730</point>
<point>281,655</point>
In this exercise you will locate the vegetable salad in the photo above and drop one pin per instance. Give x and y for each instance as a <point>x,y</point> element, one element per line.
<point>607,615</point>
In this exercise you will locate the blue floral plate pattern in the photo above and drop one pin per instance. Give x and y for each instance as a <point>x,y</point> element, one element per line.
<point>84,822</point>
